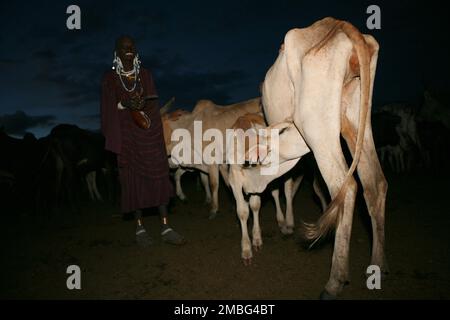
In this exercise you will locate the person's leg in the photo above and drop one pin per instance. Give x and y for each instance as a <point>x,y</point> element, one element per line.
<point>142,237</point>
<point>168,234</point>
<point>163,214</point>
<point>139,220</point>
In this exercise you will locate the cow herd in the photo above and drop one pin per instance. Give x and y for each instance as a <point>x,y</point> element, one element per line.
<point>55,172</point>
<point>413,137</point>
<point>317,96</point>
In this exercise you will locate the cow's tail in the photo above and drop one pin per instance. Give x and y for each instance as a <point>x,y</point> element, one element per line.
<point>313,232</point>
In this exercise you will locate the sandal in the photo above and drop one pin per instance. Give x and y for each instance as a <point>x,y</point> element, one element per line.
<point>142,237</point>
<point>172,237</point>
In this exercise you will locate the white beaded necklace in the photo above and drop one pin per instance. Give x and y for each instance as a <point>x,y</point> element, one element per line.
<point>135,81</point>
<point>118,66</point>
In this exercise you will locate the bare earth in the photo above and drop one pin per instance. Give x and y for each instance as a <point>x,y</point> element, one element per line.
<point>36,252</point>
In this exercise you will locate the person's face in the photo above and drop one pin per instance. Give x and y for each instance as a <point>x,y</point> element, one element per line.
<point>126,50</point>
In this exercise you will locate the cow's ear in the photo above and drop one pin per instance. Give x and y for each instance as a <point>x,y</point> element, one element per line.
<point>256,154</point>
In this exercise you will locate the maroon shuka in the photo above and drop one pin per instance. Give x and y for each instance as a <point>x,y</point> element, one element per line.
<point>141,153</point>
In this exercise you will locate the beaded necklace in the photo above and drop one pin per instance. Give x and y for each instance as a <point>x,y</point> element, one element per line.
<point>118,66</point>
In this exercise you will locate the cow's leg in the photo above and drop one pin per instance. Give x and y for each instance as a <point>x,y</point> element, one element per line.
<point>223,168</point>
<point>402,160</point>
<point>383,157</point>
<point>317,115</point>
<point>98,196</point>
<point>243,211</point>
<point>289,194</point>
<point>280,216</point>
<point>255,205</point>
<point>205,182</point>
<point>333,167</point>
<point>89,183</point>
<point>392,162</point>
<point>214,185</point>
<point>323,137</point>
<point>297,183</point>
<point>398,159</point>
<point>179,189</point>
<point>319,192</point>
<point>375,188</point>
<point>372,178</point>
<point>325,143</point>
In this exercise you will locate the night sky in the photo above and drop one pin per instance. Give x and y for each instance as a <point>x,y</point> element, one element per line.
<point>195,50</point>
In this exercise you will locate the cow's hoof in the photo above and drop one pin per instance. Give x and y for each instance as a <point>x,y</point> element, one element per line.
<point>325,295</point>
<point>212,215</point>
<point>247,261</point>
<point>257,247</point>
<point>247,257</point>
<point>287,230</point>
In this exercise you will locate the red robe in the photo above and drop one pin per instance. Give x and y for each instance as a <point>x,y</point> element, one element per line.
<point>141,153</point>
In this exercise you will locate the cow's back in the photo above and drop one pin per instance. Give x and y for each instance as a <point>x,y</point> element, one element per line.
<point>223,117</point>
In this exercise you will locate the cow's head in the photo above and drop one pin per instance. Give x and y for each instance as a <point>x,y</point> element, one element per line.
<point>281,138</point>
<point>277,151</point>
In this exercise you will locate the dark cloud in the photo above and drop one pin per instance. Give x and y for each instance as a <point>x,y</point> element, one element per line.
<point>19,122</point>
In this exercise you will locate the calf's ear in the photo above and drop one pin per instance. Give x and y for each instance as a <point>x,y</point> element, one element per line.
<point>256,154</point>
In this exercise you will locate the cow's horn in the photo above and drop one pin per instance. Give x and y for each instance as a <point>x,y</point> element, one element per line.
<point>167,106</point>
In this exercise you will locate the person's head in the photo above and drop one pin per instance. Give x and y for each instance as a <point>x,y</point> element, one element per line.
<point>125,49</point>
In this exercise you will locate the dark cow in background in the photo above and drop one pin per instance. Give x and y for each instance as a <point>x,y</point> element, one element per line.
<point>43,175</point>
<point>86,161</point>
<point>30,174</point>
<point>409,137</point>
<point>396,136</point>
<point>434,131</point>
<point>387,139</point>
<point>436,108</point>
<point>435,138</point>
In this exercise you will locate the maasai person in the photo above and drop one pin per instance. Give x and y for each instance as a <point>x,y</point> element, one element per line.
<point>131,124</point>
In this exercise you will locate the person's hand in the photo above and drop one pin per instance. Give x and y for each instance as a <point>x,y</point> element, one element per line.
<point>135,102</point>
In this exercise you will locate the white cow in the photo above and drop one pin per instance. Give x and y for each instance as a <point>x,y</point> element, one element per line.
<point>211,116</point>
<point>240,177</point>
<point>171,121</point>
<point>323,79</point>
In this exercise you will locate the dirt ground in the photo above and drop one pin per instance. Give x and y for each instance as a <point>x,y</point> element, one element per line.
<point>36,252</point>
